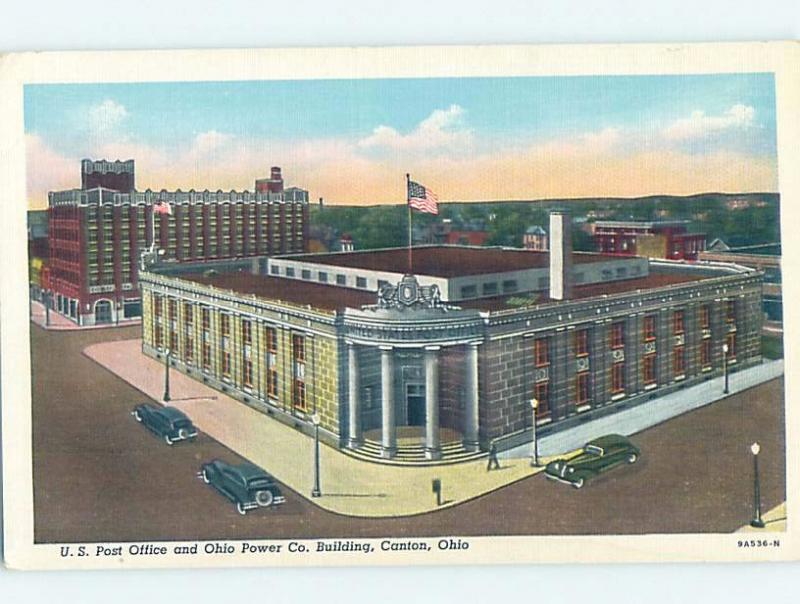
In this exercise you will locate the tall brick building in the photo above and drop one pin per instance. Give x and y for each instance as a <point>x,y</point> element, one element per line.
<point>97,234</point>
<point>440,362</point>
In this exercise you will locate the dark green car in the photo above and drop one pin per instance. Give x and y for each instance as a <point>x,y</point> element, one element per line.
<point>598,455</point>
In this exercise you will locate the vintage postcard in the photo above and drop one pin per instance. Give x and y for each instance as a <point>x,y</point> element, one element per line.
<point>444,305</point>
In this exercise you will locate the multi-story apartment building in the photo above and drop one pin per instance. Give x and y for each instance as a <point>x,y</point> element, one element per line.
<point>97,235</point>
<point>668,239</point>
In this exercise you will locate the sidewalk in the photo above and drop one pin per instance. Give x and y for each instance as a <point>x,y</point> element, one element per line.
<point>349,486</point>
<point>59,322</point>
<point>646,415</point>
<point>775,521</point>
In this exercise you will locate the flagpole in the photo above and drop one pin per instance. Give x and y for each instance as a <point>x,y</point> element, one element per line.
<point>410,265</point>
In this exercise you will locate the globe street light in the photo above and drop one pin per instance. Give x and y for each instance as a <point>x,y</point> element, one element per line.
<point>167,352</point>
<point>756,522</point>
<point>725,365</point>
<point>316,492</point>
<point>535,442</point>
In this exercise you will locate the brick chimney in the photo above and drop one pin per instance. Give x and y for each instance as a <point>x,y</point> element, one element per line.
<point>560,255</point>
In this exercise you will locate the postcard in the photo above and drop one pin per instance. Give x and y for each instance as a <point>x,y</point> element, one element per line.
<point>424,305</point>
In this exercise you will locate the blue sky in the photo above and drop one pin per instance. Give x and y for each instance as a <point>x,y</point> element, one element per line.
<point>376,121</point>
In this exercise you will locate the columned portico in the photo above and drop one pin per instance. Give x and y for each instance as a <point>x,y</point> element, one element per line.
<point>471,415</point>
<point>432,443</point>
<point>354,414</point>
<point>388,434</point>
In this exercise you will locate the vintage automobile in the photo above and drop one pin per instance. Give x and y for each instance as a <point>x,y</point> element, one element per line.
<point>167,422</point>
<point>597,456</point>
<point>246,485</point>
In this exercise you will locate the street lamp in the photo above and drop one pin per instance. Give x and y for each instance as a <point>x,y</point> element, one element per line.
<point>167,352</point>
<point>47,308</point>
<point>725,365</point>
<point>535,441</point>
<point>316,492</point>
<point>756,522</point>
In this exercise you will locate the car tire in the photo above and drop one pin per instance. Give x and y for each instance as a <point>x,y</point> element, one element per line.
<point>206,479</point>
<point>632,458</point>
<point>240,509</point>
<point>578,483</point>
<point>137,416</point>
<point>168,440</point>
<point>183,434</point>
<point>264,498</point>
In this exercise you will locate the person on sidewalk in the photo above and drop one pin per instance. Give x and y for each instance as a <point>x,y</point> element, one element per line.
<point>494,463</point>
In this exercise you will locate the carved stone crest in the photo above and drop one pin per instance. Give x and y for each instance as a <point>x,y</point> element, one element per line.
<point>410,294</point>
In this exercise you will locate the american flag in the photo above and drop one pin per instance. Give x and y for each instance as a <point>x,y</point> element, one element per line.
<point>422,199</point>
<point>162,207</point>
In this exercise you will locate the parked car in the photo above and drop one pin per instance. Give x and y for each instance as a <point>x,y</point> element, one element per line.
<point>167,422</point>
<point>597,456</point>
<point>246,485</point>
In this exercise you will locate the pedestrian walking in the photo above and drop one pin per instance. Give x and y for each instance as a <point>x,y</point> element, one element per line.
<point>494,463</point>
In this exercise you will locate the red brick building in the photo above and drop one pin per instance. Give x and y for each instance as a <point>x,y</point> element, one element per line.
<point>654,239</point>
<point>97,235</point>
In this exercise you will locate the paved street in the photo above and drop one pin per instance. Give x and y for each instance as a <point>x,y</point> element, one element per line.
<point>98,476</point>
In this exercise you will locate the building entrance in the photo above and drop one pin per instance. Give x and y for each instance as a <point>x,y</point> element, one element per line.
<point>415,403</point>
<point>102,311</point>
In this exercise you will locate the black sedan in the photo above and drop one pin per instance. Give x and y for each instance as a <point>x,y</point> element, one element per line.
<point>597,456</point>
<point>167,422</point>
<point>246,485</point>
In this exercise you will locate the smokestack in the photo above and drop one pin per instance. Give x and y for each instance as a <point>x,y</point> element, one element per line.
<point>560,255</point>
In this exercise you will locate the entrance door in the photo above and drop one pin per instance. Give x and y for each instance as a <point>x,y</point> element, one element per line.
<point>415,403</point>
<point>102,312</point>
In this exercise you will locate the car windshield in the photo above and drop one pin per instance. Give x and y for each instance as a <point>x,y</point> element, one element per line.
<point>182,423</point>
<point>594,450</point>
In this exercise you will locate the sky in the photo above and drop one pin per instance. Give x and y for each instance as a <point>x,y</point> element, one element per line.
<point>353,141</point>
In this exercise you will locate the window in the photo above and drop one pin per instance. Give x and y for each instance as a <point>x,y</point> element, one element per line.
<point>158,313</point>
<point>677,321</point>
<point>705,354</point>
<point>323,277</point>
<point>730,312</point>
<point>272,361</point>
<point>489,289</point>
<point>542,394</point>
<point>381,283</point>
<point>299,372</point>
<point>224,345</point>
<point>247,359</point>
<point>541,352</point>
<point>206,335</point>
<point>306,274</point>
<point>705,317</point>
<point>510,286</point>
<point>618,378</point>
<point>649,369</point>
<point>649,328</point>
<point>289,271</point>
<point>172,306</point>
<point>730,340</point>
<point>678,362</point>
<point>341,280</point>
<point>188,332</point>
<point>582,342</point>
<point>275,269</point>
<point>618,334</point>
<point>469,291</point>
<point>361,282</point>
<point>582,388</point>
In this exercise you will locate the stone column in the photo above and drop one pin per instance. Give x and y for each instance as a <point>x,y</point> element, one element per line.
<point>432,445</point>
<point>354,432</point>
<point>389,435</point>
<point>471,413</point>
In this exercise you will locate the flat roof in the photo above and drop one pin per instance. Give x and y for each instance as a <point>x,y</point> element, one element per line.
<point>332,297</point>
<point>445,261</point>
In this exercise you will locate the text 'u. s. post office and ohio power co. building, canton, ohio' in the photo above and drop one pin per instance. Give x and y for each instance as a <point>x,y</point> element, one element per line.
<point>437,361</point>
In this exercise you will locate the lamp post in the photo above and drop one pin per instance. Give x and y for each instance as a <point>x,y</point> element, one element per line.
<point>756,522</point>
<point>535,441</point>
<point>316,492</point>
<point>47,308</point>
<point>725,366</point>
<point>167,352</point>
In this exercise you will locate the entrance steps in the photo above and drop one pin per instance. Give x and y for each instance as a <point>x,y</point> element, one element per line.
<point>409,454</point>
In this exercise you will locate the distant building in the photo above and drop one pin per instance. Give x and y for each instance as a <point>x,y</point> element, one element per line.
<point>456,232</point>
<point>97,234</point>
<point>535,238</point>
<point>346,243</point>
<point>655,239</point>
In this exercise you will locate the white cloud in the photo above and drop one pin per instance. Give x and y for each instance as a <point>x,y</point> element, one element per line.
<point>443,129</point>
<point>209,141</point>
<point>106,115</point>
<point>699,125</point>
